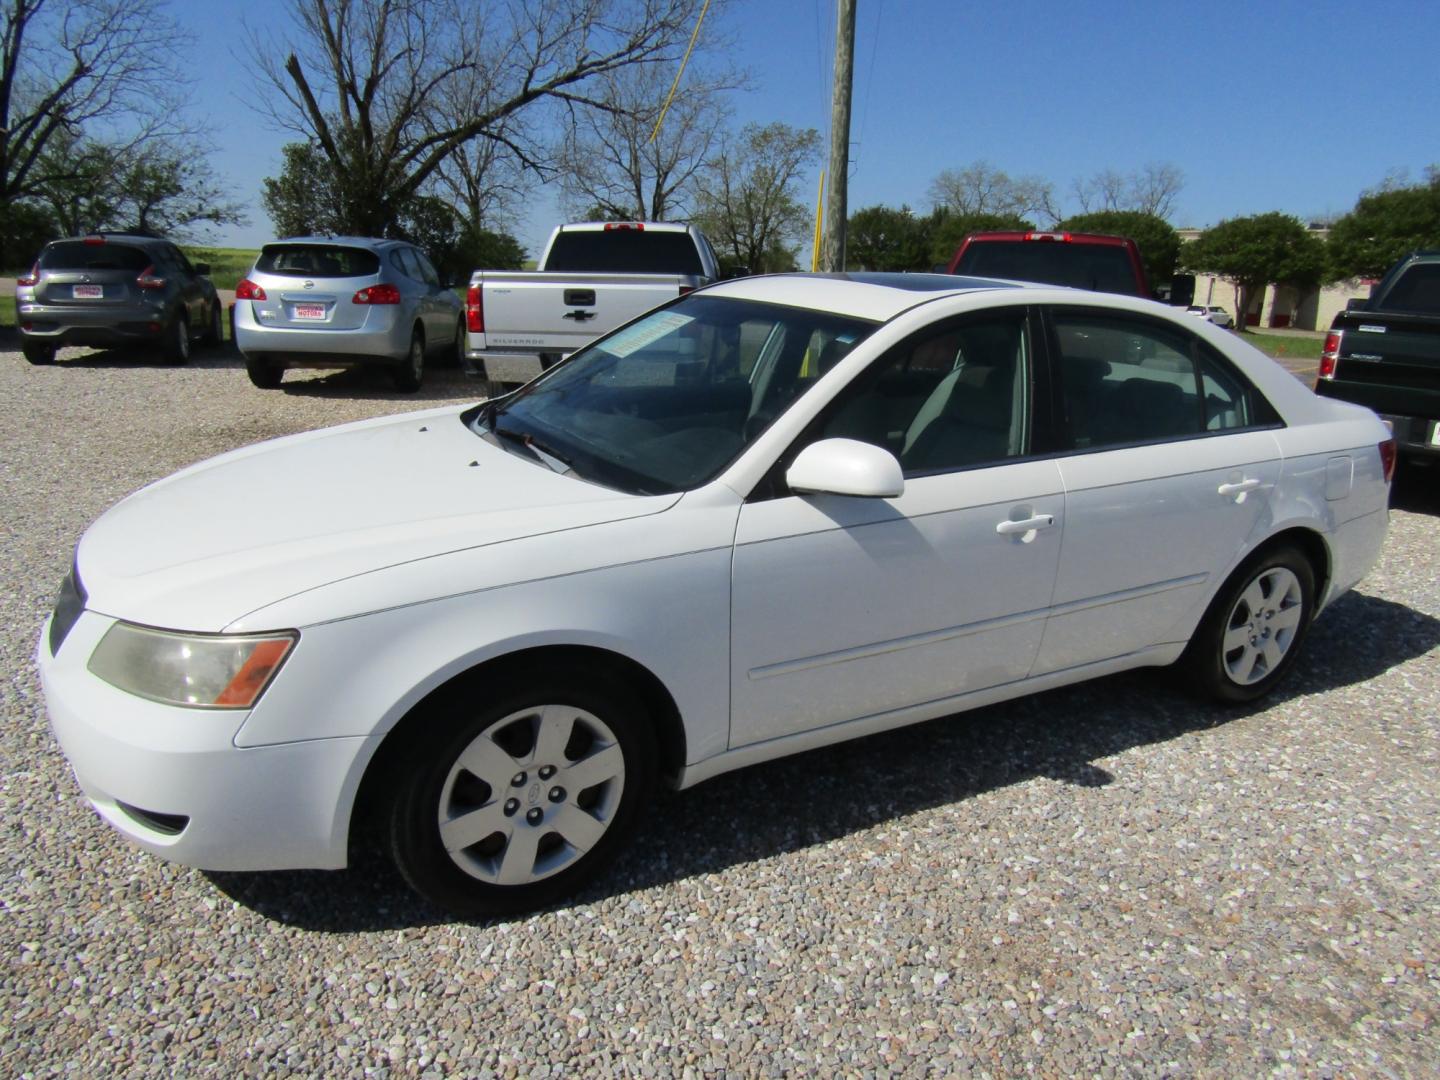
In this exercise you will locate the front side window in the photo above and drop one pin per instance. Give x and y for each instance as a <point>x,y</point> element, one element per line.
<point>947,399</point>
<point>1127,380</point>
<point>667,402</point>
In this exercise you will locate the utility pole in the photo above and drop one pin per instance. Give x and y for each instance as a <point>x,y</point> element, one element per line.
<point>835,211</point>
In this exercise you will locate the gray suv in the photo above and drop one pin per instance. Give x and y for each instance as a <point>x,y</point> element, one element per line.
<point>114,289</point>
<point>346,301</point>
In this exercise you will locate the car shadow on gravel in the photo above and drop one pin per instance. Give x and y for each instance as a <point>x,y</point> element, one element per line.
<point>823,795</point>
<point>1416,489</point>
<point>201,356</point>
<point>445,384</point>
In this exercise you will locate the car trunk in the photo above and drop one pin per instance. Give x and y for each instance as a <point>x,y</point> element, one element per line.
<point>312,286</point>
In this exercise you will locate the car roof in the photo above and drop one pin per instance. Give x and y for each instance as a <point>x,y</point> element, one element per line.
<point>111,238</point>
<point>372,242</point>
<point>625,226</point>
<point>875,296</point>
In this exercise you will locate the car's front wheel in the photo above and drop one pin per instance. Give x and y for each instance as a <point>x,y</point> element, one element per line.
<point>515,797</point>
<point>266,374</point>
<point>38,352</point>
<point>1251,635</point>
<point>410,372</point>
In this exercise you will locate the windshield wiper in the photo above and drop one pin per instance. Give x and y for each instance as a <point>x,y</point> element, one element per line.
<point>558,462</point>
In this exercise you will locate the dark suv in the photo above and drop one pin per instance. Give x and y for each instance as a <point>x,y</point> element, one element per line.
<point>114,289</point>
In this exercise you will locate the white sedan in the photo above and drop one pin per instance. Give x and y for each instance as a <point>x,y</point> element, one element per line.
<point>1217,315</point>
<point>777,513</point>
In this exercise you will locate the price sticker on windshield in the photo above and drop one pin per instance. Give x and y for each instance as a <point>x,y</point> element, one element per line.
<point>646,333</point>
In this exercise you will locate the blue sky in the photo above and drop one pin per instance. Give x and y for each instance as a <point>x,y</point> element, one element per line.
<point>1264,106</point>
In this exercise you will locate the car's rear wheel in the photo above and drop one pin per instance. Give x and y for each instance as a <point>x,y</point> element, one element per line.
<point>410,372</point>
<point>512,799</point>
<point>266,374</point>
<point>1252,633</point>
<point>38,352</point>
<point>215,333</point>
<point>460,344</point>
<point>177,342</point>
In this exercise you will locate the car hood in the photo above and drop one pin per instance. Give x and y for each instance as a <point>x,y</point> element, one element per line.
<point>200,549</point>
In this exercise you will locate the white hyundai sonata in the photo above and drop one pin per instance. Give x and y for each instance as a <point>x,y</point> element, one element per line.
<point>777,513</point>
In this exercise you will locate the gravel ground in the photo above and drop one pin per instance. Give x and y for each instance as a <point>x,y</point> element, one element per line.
<point>1102,880</point>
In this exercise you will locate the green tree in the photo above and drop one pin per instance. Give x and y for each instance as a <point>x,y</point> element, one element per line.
<point>1251,252</point>
<point>27,227</point>
<point>748,200</point>
<point>1158,242</point>
<point>304,199</point>
<point>884,238</point>
<point>1387,222</point>
<point>947,228</point>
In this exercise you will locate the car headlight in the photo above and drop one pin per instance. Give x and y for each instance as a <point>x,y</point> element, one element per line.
<point>203,671</point>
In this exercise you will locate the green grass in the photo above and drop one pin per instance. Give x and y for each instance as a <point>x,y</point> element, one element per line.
<point>1285,347</point>
<point>227,265</point>
<point>7,311</point>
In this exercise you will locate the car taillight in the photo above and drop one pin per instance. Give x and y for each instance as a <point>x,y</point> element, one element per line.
<point>686,289</point>
<point>384,293</point>
<point>94,241</point>
<point>474,311</point>
<point>148,280</point>
<point>621,226</point>
<point>248,290</point>
<point>1330,354</point>
<point>1062,237</point>
<point>1387,459</point>
<point>32,278</point>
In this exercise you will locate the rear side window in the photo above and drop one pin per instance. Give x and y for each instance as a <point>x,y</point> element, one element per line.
<point>626,251</point>
<point>1099,267</point>
<point>78,255</point>
<point>1418,290</point>
<point>317,261</point>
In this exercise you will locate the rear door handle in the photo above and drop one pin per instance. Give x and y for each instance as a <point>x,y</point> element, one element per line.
<point>1239,488</point>
<point>1027,528</point>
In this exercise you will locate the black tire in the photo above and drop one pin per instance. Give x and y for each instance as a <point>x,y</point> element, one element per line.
<point>266,374</point>
<point>520,813</point>
<point>215,331</point>
<point>38,352</point>
<point>177,341</point>
<point>409,373</point>
<point>1264,610</point>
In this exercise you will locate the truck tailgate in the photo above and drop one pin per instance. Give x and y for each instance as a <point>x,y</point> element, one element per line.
<point>543,312</point>
<point>1388,362</point>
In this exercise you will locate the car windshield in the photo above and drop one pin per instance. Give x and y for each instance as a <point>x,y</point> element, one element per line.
<point>317,261</point>
<point>1100,267</point>
<point>665,403</point>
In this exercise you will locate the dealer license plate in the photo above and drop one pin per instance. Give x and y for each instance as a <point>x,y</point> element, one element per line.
<point>309,311</point>
<point>88,292</point>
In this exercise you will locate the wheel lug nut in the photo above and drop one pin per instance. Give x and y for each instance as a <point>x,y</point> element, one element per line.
<point>547,771</point>
<point>535,816</point>
<point>518,780</point>
<point>557,794</point>
<point>511,805</point>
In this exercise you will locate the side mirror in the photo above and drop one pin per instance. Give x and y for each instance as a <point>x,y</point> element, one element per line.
<point>203,269</point>
<point>846,467</point>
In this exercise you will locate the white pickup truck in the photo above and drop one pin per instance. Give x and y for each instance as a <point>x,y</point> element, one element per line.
<point>593,277</point>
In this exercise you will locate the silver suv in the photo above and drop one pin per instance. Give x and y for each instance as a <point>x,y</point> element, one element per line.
<point>335,302</point>
<point>113,289</point>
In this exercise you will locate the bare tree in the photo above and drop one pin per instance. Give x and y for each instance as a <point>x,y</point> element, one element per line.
<point>363,79</point>
<point>748,200</point>
<point>1152,189</point>
<point>608,161</point>
<point>980,188</point>
<point>68,65</point>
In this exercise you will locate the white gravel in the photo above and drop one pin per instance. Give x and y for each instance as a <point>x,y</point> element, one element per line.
<point>1104,880</point>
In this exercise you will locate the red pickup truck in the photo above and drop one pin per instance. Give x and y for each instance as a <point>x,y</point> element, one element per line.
<point>1081,260</point>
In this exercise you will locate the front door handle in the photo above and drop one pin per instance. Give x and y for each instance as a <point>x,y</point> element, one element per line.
<point>1238,489</point>
<point>1027,528</point>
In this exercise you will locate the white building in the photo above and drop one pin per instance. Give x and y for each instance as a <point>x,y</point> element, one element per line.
<point>1280,305</point>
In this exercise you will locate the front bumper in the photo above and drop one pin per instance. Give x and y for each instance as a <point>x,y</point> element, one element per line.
<point>172,780</point>
<point>384,338</point>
